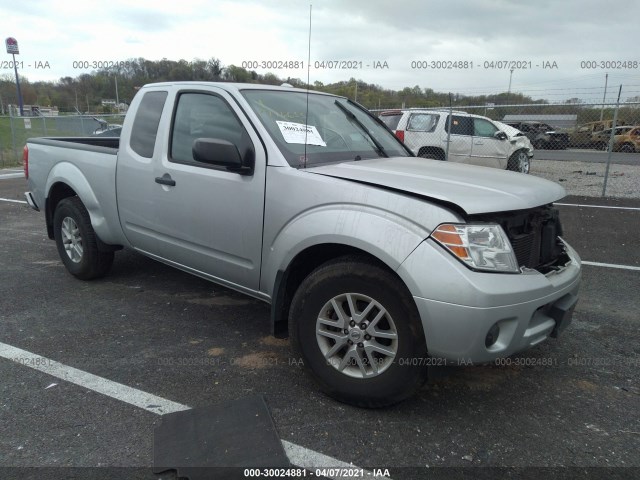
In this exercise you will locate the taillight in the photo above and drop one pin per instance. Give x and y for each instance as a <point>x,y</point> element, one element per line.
<point>400,135</point>
<point>25,161</point>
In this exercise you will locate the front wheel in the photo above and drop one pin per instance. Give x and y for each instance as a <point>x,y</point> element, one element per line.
<point>519,162</point>
<point>77,241</point>
<point>357,329</point>
<point>627,148</point>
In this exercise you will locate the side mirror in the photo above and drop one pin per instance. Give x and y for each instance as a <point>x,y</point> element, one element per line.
<point>500,135</point>
<point>215,151</point>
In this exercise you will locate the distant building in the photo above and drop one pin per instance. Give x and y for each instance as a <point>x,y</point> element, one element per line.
<point>120,107</point>
<point>557,121</point>
<point>33,111</point>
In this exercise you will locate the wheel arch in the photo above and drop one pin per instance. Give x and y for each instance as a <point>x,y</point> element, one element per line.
<point>288,279</point>
<point>437,151</point>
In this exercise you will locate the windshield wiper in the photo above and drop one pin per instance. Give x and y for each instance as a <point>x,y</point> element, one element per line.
<point>354,119</point>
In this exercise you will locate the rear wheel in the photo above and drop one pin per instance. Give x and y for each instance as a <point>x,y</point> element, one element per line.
<point>77,241</point>
<point>357,329</point>
<point>519,162</point>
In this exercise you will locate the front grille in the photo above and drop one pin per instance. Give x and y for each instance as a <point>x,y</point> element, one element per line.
<point>534,236</point>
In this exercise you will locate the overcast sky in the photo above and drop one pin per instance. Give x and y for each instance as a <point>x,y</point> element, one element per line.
<point>397,32</point>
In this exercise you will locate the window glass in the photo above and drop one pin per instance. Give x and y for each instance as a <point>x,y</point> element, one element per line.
<point>145,125</point>
<point>424,122</point>
<point>483,128</point>
<point>199,115</point>
<point>460,125</point>
<point>312,129</point>
<point>391,121</point>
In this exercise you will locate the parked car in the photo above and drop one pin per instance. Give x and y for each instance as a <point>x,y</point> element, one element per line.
<point>111,131</point>
<point>542,135</point>
<point>374,261</point>
<point>626,139</point>
<point>582,136</point>
<point>474,139</point>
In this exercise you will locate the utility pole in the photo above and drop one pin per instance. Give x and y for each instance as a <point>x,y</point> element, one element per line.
<point>356,96</point>
<point>509,91</point>
<point>606,79</point>
<point>115,77</point>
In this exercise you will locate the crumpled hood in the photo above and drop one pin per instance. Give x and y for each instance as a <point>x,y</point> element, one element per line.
<point>473,189</point>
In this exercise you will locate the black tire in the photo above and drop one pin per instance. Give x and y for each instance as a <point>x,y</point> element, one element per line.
<point>400,376</point>
<point>88,261</point>
<point>627,148</point>
<point>431,154</point>
<point>519,162</point>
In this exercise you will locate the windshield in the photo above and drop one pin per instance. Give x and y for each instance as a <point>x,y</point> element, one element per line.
<point>335,130</point>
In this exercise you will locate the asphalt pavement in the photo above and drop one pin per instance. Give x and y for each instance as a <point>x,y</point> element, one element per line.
<point>587,155</point>
<point>570,405</point>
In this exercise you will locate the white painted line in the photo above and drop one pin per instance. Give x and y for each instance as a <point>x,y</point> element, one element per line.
<point>596,206</point>
<point>11,175</point>
<point>309,459</point>
<point>611,265</point>
<point>101,385</point>
<point>298,455</point>
<point>11,200</point>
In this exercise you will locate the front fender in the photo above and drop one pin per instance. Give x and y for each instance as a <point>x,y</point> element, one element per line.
<point>383,234</point>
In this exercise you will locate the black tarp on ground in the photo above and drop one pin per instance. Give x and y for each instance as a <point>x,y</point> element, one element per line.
<point>218,441</point>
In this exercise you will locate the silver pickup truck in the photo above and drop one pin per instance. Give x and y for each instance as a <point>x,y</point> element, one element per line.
<point>375,262</point>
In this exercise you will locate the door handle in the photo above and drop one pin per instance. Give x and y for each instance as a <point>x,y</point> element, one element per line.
<point>166,180</point>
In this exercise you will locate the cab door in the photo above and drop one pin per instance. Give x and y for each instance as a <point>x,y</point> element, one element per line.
<point>210,218</point>
<point>137,159</point>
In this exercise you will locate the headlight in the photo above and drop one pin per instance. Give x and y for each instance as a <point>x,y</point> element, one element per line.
<point>481,247</point>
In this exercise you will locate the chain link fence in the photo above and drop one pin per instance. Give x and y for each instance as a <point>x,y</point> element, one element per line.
<point>592,149</point>
<point>14,131</point>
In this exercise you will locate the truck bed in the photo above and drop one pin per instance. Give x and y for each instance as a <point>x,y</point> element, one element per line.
<point>95,144</point>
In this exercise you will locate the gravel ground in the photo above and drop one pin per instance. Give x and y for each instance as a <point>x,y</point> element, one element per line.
<point>587,179</point>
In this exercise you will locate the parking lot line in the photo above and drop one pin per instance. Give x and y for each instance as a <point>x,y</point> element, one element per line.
<point>596,206</point>
<point>101,385</point>
<point>12,201</point>
<point>5,176</point>
<point>298,455</point>
<point>611,265</point>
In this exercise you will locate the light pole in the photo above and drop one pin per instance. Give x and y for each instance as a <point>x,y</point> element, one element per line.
<point>12,48</point>
<point>509,90</point>
<point>606,79</point>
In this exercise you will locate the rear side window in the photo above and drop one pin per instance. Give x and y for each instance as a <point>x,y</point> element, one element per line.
<point>391,121</point>
<point>423,122</point>
<point>145,125</point>
<point>460,125</point>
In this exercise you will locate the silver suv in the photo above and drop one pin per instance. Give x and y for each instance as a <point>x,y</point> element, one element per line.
<point>474,139</point>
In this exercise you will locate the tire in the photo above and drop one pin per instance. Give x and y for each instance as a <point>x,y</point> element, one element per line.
<point>519,162</point>
<point>429,155</point>
<point>77,241</point>
<point>395,341</point>
<point>627,148</point>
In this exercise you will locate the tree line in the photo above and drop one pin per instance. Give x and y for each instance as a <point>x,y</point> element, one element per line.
<point>85,92</point>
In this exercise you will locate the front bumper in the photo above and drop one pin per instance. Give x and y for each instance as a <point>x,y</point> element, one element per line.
<point>459,307</point>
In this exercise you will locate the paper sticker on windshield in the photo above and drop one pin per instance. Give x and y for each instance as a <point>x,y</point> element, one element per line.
<point>298,132</point>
